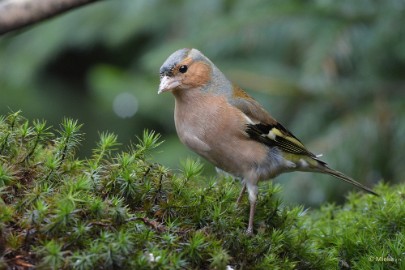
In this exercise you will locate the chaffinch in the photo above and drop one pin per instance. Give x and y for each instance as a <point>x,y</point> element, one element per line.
<point>222,123</point>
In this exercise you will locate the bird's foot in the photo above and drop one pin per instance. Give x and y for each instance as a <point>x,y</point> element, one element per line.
<point>249,231</point>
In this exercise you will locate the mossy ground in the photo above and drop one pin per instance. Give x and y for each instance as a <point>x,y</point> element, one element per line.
<point>120,210</point>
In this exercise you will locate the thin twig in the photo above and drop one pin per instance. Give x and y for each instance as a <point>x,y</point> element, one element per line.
<point>16,14</point>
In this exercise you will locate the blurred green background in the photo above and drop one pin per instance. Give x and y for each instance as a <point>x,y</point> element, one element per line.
<point>333,72</point>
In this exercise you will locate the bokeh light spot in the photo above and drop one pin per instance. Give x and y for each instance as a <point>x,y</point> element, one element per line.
<point>125,105</point>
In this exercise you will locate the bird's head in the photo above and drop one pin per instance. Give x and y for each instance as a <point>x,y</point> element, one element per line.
<point>185,69</point>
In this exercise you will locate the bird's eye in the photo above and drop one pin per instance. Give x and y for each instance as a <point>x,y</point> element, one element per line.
<point>183,69</point>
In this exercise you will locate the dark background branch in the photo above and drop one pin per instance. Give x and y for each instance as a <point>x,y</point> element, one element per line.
<point>17,14</point>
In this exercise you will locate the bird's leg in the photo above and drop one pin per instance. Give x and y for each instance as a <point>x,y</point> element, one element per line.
<point>241,194</point>
<point>253,191</point>
<point>249,230</point>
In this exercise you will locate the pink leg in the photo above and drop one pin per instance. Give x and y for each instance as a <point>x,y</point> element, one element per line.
<point>241,194</point>
<point>253,191</point>
<point>249,230</point>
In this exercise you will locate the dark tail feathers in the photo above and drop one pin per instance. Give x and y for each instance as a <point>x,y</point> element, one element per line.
<point>326,169</point>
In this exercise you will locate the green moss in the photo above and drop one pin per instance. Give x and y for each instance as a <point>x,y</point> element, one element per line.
<point>120,210</point>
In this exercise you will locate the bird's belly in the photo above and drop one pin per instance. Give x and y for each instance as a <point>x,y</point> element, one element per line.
<point>240,157</point>
<point>218,134</point>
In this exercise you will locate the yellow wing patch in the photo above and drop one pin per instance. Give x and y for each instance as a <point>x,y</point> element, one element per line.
<point>274,132</point>
<point>278,136</point>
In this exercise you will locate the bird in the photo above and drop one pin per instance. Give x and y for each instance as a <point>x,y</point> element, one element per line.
<point>219,121</point>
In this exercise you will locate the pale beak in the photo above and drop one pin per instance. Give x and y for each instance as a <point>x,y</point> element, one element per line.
<point>167,83</point>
